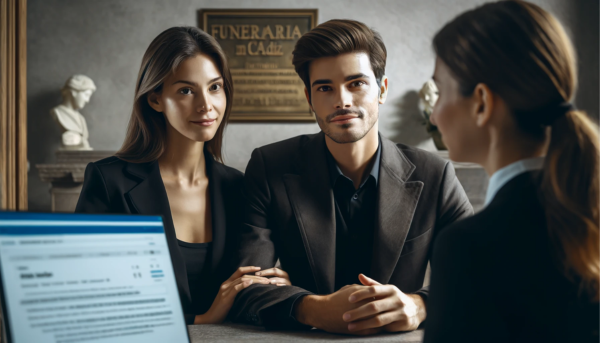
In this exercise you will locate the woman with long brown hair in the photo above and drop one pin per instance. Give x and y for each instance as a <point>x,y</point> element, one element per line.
<point>170,165</point>
<point>526,268</point>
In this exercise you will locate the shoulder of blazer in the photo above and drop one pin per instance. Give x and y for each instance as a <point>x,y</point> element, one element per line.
<point>286,149</point>
<point>110,167</point>
<point>428,166</point>
<point>422,158</point>
<point>227,172</point>
<point>113,160</point>
<point>515,205</point>
<point>116,170</point>
<point>225,179</point>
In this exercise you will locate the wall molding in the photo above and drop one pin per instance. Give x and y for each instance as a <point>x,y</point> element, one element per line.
<point>13,104</point>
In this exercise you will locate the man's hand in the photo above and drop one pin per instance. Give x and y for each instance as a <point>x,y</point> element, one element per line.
<point>325,311</point>
<point>387,308</point>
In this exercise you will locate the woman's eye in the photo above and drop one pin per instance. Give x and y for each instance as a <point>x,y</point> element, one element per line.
<point>185,91</point>
<point>324,89</point>
<point>216,87</point>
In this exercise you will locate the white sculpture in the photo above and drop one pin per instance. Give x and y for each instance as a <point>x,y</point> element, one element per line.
<point>76,93</point>
<point>428,96</point>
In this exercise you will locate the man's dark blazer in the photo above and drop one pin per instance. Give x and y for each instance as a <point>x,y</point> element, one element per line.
<point>495,278</point>
<point>290,216</point>
<point>112,185</point>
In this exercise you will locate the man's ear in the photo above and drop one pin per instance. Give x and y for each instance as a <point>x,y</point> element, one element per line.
<point>484,103</point>
<point>383,90</point>
<point>155,102</point>
<point>308,99</point>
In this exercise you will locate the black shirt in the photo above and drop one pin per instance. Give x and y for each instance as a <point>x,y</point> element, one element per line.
<point>197,263</point>
<point>355,217</point>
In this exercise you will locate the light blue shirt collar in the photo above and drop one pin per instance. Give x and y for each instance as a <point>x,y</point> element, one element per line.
<point>502,176</point>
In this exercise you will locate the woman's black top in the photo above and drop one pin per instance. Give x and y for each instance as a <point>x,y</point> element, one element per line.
<point>197,264</point>
<point>495,277</point>
<point>114,186</point>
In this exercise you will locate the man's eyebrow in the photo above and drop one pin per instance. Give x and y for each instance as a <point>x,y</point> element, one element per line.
<point>348,78</point>
<point>356,76</point>
<point>321,82</point>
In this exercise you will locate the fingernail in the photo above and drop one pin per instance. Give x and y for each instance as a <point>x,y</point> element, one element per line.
<point>351,327</point>
<point>352,298</point>
<point>257,273</point>
<point>347,316</point>
<point>250,282</point>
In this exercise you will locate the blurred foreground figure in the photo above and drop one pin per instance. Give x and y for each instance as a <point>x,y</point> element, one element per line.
<point>525,269</point>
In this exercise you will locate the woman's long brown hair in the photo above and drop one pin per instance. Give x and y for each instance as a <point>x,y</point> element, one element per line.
<point>146,133</point>
<point>522,53</point>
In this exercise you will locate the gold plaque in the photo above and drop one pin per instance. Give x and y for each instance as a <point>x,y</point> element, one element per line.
<point>259,45</point>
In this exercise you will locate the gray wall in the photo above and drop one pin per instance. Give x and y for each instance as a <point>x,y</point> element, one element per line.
<point>106,40</point>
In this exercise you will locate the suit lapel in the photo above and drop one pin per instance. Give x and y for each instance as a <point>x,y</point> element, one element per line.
<point>397,200</point>
<point>311,198</point>
<point>217,208</point>
<point>149,197</point>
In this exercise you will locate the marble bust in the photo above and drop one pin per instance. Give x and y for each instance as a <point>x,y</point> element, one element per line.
<point>428,97</point>
<point>76,93</point>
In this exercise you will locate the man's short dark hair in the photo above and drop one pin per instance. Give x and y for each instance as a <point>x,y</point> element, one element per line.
<point>336,37</point>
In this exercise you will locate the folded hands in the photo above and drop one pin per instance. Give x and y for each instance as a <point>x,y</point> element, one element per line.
<point>362,309</point>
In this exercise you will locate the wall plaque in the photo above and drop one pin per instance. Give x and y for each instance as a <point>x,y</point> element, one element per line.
<point>259,45</point>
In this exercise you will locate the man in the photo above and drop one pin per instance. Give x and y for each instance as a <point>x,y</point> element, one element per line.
<point>344,202</point>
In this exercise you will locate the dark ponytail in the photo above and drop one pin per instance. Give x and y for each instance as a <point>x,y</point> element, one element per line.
<point>570,191</point>
<point>523,54</point>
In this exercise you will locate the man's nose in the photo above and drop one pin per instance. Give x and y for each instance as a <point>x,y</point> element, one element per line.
<point>344,99</point>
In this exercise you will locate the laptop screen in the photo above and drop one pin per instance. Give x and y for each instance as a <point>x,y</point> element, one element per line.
<point>79,278</point>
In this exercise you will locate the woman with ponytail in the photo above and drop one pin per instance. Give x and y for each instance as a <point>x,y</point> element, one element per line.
<point>526,268</point>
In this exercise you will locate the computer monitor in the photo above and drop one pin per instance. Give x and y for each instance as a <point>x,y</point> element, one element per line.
<point>69,278</point>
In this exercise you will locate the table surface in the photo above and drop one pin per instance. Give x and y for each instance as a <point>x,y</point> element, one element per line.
<point>248,333</point>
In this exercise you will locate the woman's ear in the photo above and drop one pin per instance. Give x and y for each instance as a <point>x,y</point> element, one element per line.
<point>155,102</point>
<point>484,103</point>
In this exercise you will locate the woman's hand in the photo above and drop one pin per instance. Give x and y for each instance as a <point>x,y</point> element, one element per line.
<point>280,277</point>
<point>229,289</point>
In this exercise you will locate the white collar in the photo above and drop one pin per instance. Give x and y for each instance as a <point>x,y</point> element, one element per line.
<point>502,176</point>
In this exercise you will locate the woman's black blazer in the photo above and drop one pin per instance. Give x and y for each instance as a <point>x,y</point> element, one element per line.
<point>113,186</point>
<point>495,277</point>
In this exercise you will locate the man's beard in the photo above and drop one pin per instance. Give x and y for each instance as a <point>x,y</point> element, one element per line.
<point>346,136</point>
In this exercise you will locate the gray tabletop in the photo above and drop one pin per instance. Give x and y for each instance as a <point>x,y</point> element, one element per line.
<point>247,333</point>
